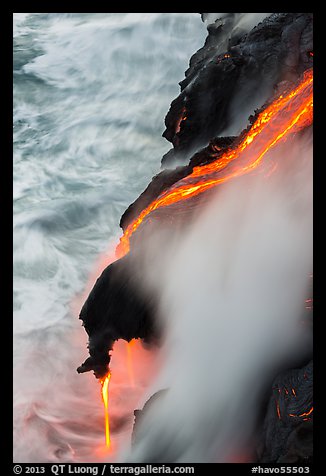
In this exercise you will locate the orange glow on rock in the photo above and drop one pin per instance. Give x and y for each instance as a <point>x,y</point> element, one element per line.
<point>305,414</point>
<point>182,117</point>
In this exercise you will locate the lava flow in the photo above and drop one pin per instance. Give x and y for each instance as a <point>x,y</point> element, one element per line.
<point>105,396</point>
<point>288,113</point>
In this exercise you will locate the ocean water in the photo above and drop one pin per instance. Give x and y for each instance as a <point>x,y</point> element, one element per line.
<point>91,91</point>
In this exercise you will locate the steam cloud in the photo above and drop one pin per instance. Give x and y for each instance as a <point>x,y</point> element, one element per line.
<point>232,294</point>
<point>245,21</point>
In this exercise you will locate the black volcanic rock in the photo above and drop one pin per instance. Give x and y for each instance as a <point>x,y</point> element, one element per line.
<point>221,83</point>
<point>115,309</point>
<point>139,414</point>
<point>286,435</point>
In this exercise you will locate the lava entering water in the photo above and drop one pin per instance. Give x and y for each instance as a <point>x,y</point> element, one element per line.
<point>289,113</point>
<point>105,396</point>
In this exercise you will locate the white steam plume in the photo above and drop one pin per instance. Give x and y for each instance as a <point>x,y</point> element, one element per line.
<point>232,293</point>
<point>245,21</point>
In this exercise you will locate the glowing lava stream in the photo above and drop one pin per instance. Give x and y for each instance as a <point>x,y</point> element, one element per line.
<point>105,396</point>
<point>288,113</point>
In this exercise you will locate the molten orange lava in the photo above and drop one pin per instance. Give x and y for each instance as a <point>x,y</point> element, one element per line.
<point>105,396</point>
<point>305,414</point>
<point>287,114</point>
<point>278,411</point>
